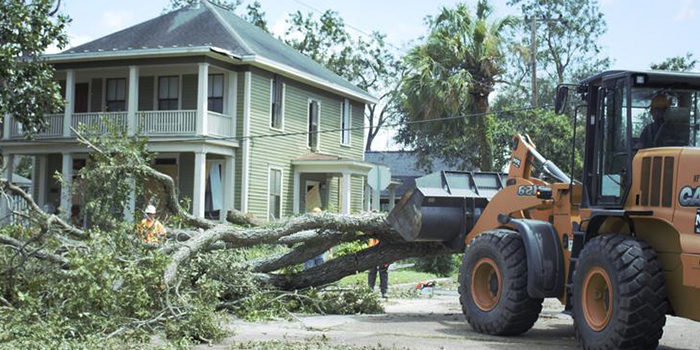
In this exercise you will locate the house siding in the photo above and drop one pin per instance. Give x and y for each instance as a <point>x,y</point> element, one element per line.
<point>186,174</point>
<point>189,91</point>
<point>240,89</point>
<point>357,186</point>
<point>96,95</point>
<point>280,151</point>
<point>146,85</point>
<point>334,194</point>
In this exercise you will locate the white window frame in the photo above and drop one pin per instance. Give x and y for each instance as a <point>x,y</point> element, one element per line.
<point>318,132</point>
<point>270,168</point>
<point>283,86</point>
<point>210,81</point>
<point>106,94</point>
<point>348,128</point>
<point>179,91</point>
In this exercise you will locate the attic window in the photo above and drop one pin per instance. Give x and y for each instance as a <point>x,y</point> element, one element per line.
<point>276,117</point>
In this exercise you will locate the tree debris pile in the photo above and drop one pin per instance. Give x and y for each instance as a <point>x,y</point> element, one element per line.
<point>62,283</point>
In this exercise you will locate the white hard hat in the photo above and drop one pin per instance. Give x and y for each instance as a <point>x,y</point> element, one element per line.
<point>150,209</point>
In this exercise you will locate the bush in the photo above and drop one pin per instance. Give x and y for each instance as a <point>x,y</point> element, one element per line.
<point>441,265</point>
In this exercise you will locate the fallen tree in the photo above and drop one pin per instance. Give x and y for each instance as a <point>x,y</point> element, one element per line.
<point>197,270</point>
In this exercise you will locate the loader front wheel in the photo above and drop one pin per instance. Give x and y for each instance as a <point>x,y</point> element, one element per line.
<point>619,298</point>
<point>493,285</point>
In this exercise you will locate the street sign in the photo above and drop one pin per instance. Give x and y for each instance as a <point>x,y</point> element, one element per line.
<point>379,177</point>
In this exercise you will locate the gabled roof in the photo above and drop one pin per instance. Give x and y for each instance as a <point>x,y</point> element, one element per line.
<point>212,28</point>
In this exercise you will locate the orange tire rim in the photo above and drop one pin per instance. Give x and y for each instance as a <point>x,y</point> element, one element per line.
<point>486,284</point>
<point>597,299</point>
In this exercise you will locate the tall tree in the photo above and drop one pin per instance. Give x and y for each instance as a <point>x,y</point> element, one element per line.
<point>255,15</point>
<point>677,63</point>
<point>369,62</point>
<point>27,87</point>
<point>451,75</point>
<point>567,32</point>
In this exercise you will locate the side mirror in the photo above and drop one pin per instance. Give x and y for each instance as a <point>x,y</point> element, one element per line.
<point>561,99</point>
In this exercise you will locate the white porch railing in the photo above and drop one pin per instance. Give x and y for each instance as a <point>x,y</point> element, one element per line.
<point>99,121</point>
<point>167,122</point>
<point>53,129</point>
<point>219,124</point>
<point>18,204</point>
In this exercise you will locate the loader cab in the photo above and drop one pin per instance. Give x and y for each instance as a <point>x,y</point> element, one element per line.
<point>621,120</point>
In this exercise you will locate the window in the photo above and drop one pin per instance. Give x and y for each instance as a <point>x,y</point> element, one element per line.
<point>613,155</point>
<point>276,103</point>
<point>275,194</point>
<point>168,93</point>
<point>313,125</point>
<point>345,116</point>
<point>216,93</point>
<point>116,95</point>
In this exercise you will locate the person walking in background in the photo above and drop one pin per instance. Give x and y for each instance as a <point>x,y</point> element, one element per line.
<point>150,230</point>
<point>383,273</point>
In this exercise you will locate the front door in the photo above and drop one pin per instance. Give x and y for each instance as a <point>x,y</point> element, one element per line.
<point>312,195</point>
<point>81,98</point>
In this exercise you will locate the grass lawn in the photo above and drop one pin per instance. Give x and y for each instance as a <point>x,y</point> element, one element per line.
<point>395,277</point>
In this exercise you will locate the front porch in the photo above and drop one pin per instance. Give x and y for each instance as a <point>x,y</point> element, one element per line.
<point>175,100</point>
<point>336,180</point>
<point>204,174</point>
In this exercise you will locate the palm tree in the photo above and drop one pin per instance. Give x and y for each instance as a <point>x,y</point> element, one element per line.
<point>453,74</point>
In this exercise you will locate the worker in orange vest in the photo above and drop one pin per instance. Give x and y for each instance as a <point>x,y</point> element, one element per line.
<point>383,273</point>
<point>150,230</point>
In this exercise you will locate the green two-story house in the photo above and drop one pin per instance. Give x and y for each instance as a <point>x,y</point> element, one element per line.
<point>239,119</point>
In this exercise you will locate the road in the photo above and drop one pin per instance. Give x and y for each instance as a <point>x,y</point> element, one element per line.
<point>436,323</point>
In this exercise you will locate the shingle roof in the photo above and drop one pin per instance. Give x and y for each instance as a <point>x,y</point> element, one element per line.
<point>216,27</point>
<point>403,167</point>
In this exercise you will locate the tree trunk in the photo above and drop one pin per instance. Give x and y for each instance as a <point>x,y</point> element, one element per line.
<point>481,104</point>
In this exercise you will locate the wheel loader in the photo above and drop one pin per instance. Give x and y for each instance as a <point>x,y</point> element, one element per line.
<point>619,248</point>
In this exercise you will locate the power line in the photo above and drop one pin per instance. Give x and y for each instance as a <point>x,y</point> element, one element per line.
<point>387,126</point>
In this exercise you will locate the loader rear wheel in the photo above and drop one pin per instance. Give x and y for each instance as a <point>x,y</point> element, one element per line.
<point>619,298</point>
<point>493,285</point>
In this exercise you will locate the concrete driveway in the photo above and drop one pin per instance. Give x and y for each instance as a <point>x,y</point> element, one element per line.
<point>437,323</point>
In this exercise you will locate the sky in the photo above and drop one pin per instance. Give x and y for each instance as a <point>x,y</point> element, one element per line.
<point>640,32</point>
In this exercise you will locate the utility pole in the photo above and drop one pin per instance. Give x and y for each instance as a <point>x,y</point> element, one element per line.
<point>533,51</point>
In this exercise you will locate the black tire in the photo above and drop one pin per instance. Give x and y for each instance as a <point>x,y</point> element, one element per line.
<point>515,312</point>
<point>638,293</point>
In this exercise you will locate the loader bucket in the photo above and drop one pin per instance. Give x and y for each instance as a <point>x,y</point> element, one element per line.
<point>444,206</point>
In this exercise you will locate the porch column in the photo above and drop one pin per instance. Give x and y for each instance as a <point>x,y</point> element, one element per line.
<point>345,194</point>
<point>229,168</point>
<point>202,101</point>
<point>9,164</point>
<point>70,99</point>
<point>296,198</point>
<point>131,122</point>
<point>200,182</point>
<point>232,99</point>
<point>41,179</point>
<point>6,126</point>
<point>66,196</point>
<point>392,196</point>
<point>376,199</point>
<point>130,207</point>
<point>367,196</point>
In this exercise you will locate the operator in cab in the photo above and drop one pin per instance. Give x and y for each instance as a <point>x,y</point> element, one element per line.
<point>654,134</point>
